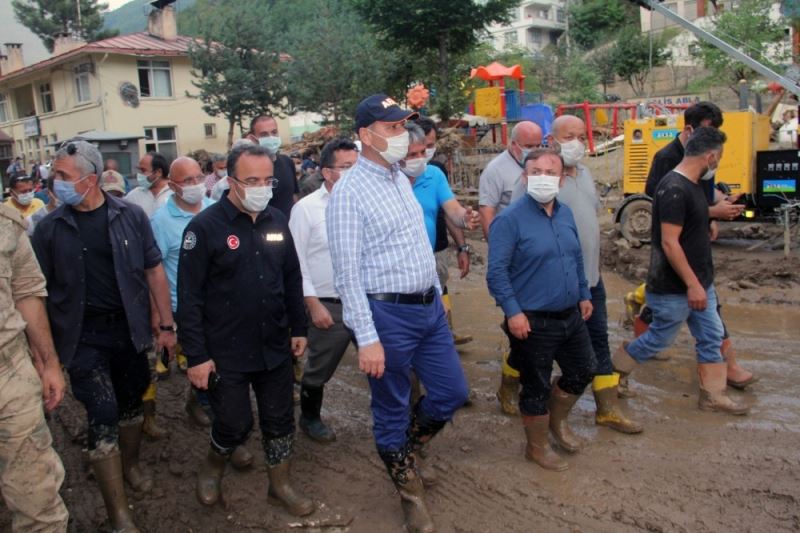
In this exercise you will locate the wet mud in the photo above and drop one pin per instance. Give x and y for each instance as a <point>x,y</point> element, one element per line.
<point>690,471</point>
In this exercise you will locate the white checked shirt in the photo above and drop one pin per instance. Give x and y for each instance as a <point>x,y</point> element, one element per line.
<point>378,242</point>
<point>310,235</point>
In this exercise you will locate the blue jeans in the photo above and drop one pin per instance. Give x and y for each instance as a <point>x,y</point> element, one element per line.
<point>598,330</point>
<point>670,311</point>
<point>413,336</point>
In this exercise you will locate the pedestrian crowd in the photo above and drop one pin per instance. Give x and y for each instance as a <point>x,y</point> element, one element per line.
<point>231,274</point>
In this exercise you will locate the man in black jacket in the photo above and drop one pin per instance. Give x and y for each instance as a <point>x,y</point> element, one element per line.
<point>101,263</point>
<point>241,318</point>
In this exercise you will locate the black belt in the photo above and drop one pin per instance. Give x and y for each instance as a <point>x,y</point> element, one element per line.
<point>555,315</point>
<point>331,300</point>
<point>107,318</point>
<point>424,298</point>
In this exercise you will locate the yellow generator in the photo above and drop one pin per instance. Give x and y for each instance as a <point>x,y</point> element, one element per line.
<point>747,134</point>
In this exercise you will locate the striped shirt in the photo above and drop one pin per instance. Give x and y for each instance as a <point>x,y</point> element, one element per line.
<point>378,242</point>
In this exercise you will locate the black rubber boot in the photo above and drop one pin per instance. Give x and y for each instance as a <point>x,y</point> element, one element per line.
<point>420,431</point>
<point>310,421</point>
<point>408,483</point>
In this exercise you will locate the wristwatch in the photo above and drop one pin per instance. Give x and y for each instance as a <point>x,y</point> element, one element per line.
<point>465,248</point>
<point>169,327</point>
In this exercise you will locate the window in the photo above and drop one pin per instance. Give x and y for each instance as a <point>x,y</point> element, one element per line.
<point>560,15</point>
<point>83,92</point>
<point>210,130</point>
<point>510,38</point>
<point>155,79</point>
<point>5,151</point>
<point>4,115</point>
<point>53,138</point>
<point>46,98</point>
<point>161,140</point>
<point>535,36</point>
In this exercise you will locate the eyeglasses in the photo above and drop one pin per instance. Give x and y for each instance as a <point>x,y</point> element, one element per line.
<point>190,180</point>
<point>72,149</point>
<point>257,182</point>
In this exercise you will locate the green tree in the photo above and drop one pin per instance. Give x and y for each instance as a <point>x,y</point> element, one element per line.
<point>748,27</point>
<point>238,67</point>
<point>595,21</point>
<point>49,18</point>
<point>335,59</point>
<point>580,82</point>
<point>633,58</point>
<point>440,29</point>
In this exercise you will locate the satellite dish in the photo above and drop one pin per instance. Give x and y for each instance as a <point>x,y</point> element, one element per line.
<point>129,94</point>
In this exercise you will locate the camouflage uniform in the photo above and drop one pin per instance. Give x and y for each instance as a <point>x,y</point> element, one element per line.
<point>31,472</point>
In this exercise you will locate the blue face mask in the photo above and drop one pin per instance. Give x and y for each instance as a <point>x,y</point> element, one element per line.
<point>65,191</point>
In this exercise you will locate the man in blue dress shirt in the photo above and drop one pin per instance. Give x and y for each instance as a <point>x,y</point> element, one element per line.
<point>536,275</point>
<point>385,274</point>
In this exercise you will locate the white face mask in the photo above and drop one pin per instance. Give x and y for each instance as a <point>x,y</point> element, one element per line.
<point>219,187</point>
<point>396,147</point>
<point>25,198</point>
<point>272,144</point>
<point>572,152</point>
<point>193,194</point>
<point>543,188</point>
<point>221,173</point>
<point>256,198</point>
<point>709,173</point>
<point>415,167</point>
<point>429,153</point>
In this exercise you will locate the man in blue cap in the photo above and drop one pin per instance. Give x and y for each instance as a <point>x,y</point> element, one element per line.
<point>385,274</point>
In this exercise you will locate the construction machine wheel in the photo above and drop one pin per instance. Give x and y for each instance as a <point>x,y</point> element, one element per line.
<point>636,220</point>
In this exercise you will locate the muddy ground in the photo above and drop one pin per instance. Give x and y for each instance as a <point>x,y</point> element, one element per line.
<point>689,471</point>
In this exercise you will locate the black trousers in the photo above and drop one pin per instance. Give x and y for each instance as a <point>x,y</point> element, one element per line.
<point>108,377</point>
<point>565,341</point>
<point>233,414</point>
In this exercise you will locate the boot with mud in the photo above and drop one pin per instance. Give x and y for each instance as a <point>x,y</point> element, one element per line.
<point>151,427</point>
<point>278,453</point>
<point>310,419</point>
<point>130,442</point>
<point>209,478</point>
<point>197,415</point>
<point>508,394</point>
<point>560,405</point>
<point>712,390</point>
<point>420,432</point>
<point>538,449</point>
<point>107,470</point>
<point>406,479</point>
<point>609,413</point>
<point>623,365</point>
<point>737,377</point>
<point>241,458</point>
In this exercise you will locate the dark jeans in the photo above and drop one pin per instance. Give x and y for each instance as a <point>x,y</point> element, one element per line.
<point>233,414</point>
<point>598,330</point>
<point>108,377</point>
<point>565,341</point>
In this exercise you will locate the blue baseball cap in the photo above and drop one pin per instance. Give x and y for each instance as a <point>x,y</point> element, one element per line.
<point>380,108</point>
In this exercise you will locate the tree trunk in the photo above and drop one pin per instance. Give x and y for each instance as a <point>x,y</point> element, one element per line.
<point>444,77</point>
<point>231,123</point>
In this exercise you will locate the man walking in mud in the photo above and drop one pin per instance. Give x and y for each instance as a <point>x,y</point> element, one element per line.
<point>579,193</point>
<point>680,281</point>
<point>102,264</point>
<point>241,319</point>
<point>385,273</point>
<point>497,184</point>
<point>703,114</point>
<point>31,472</point>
